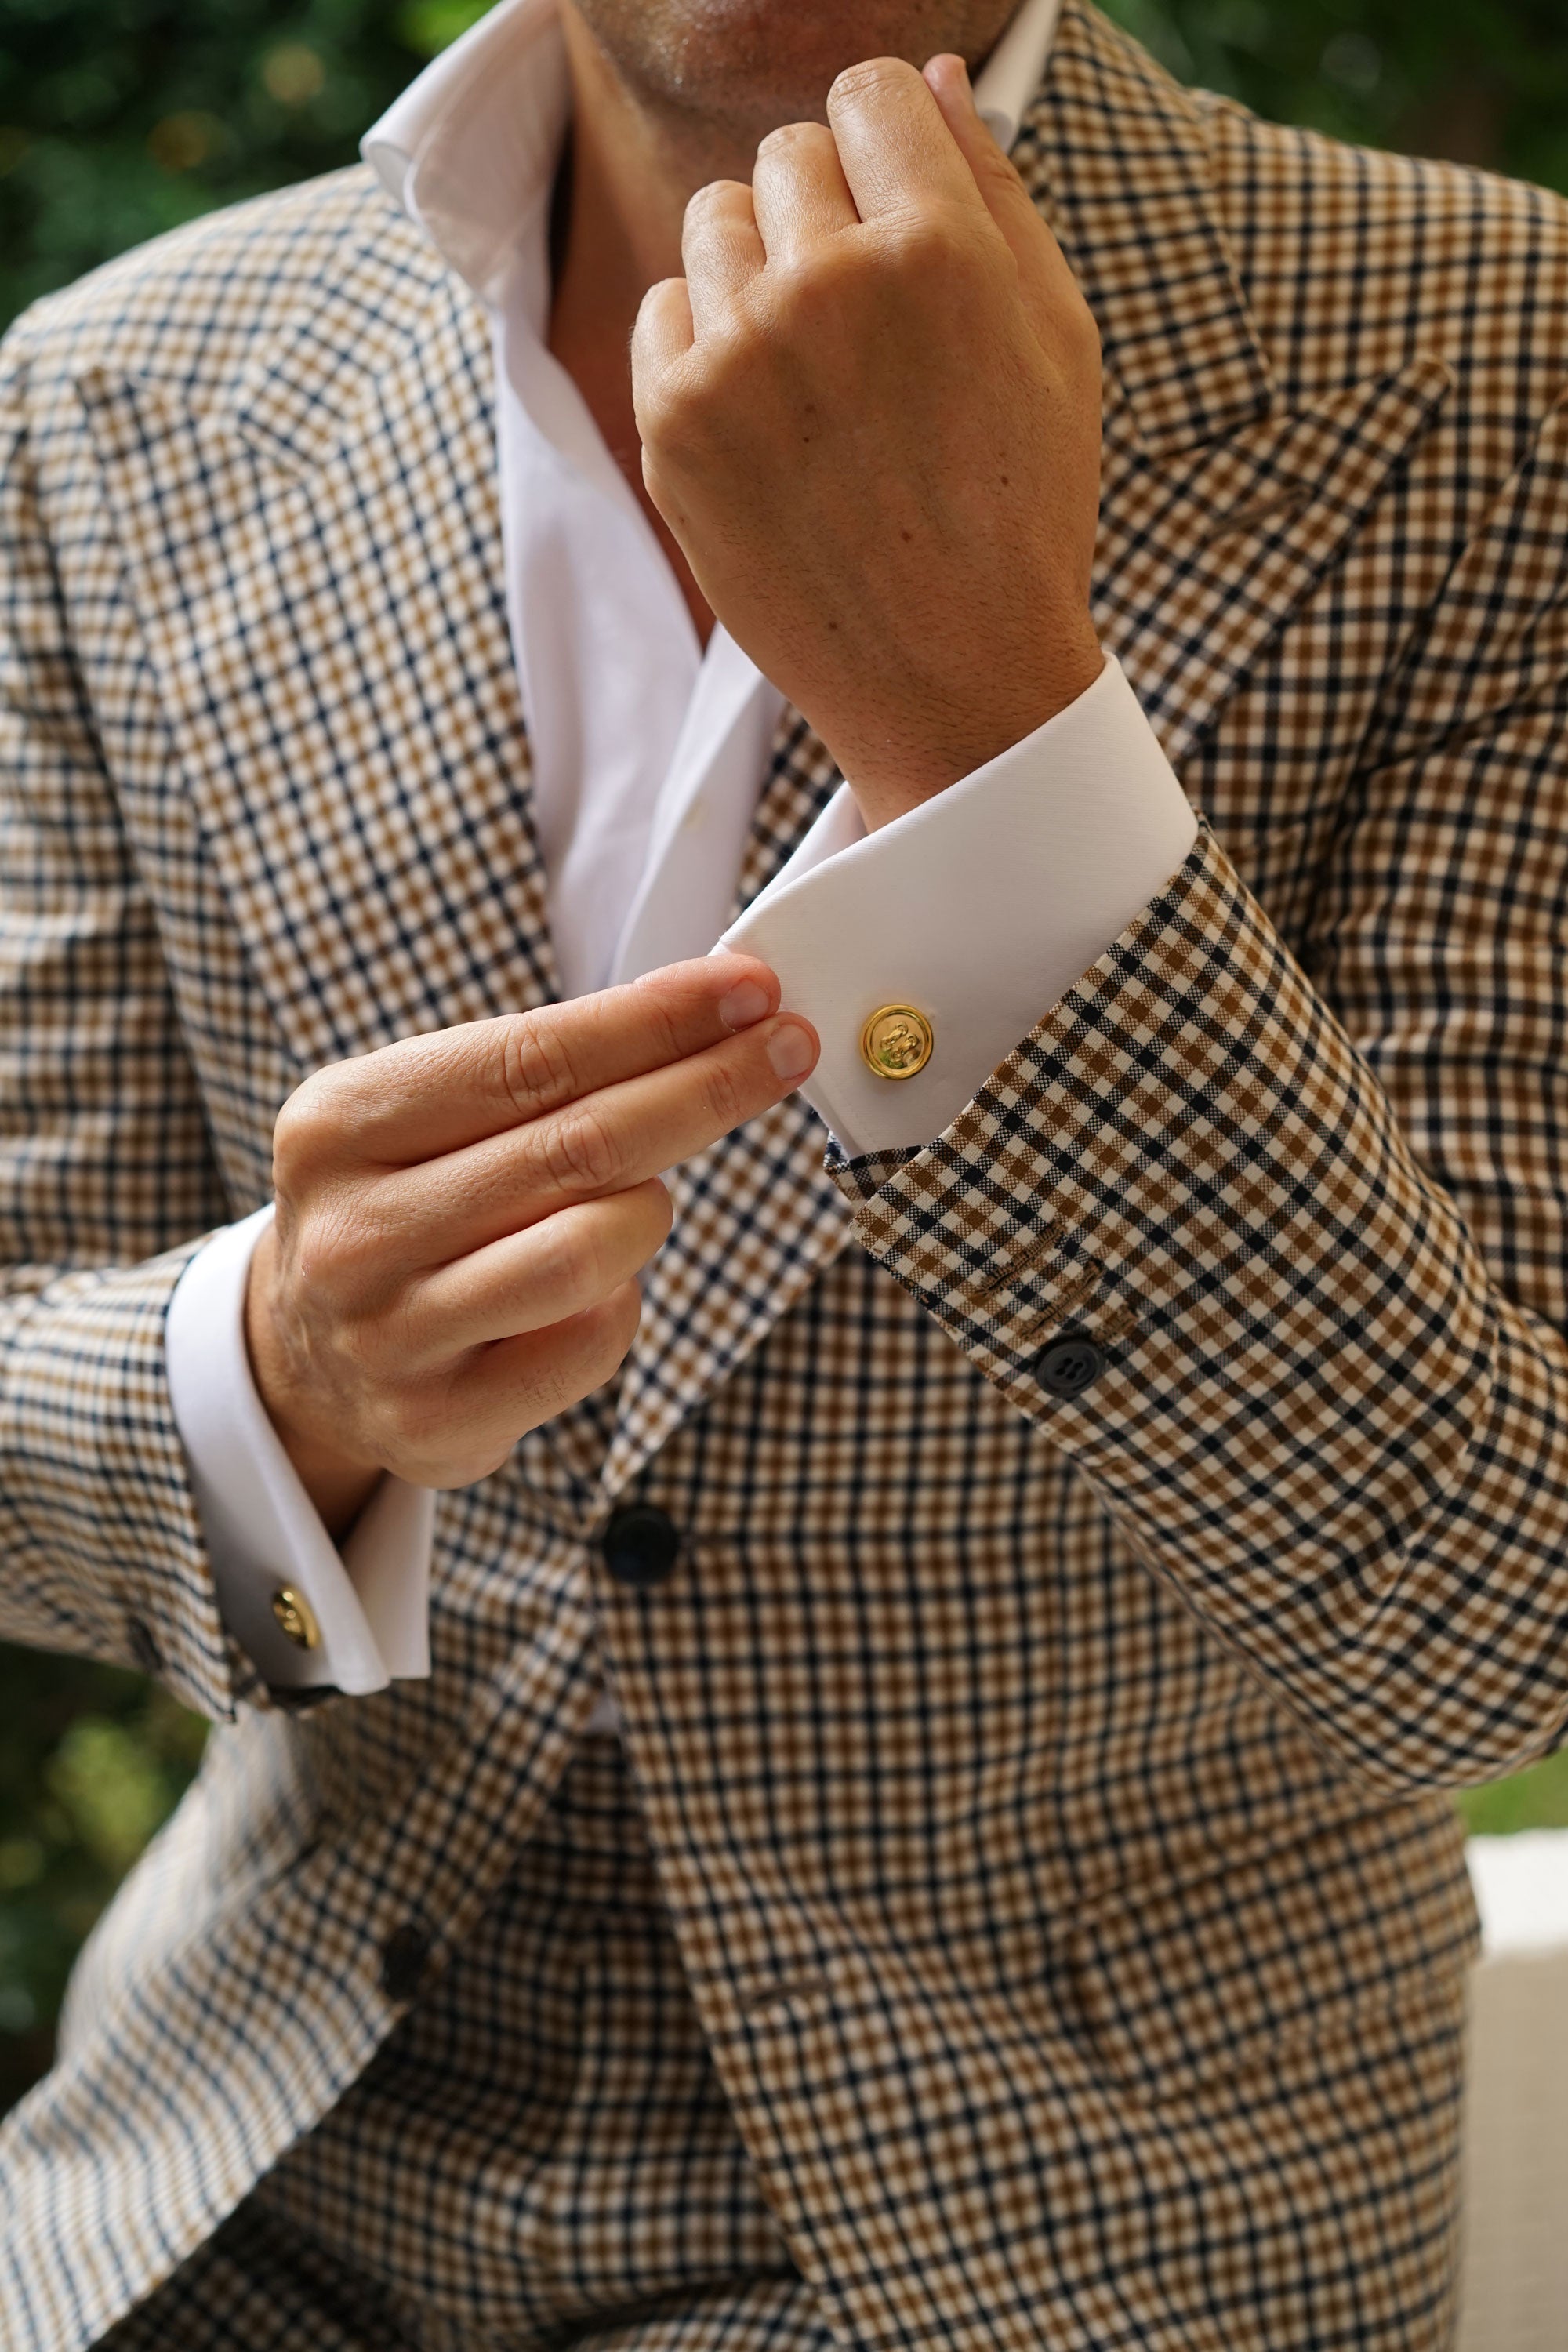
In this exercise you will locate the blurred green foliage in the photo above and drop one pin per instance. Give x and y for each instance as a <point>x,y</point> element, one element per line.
<point>1478,81</point>
<point>122,118</point>
<point>91,1760</point>
<point>1536,1800</point>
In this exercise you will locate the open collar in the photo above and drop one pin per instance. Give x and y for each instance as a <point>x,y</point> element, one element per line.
<point>470,148</point>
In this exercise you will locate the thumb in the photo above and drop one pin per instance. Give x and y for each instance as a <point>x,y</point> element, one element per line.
<point>1044,279</point>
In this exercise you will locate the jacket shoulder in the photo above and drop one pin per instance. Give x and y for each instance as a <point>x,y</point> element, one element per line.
<point>193,309</point>
<point>1355,261</point>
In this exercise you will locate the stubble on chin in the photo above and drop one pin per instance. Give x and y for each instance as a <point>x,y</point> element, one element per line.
<point>738,69</point>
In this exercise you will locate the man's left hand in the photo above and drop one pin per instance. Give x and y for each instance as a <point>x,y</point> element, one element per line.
<point>870,415</point>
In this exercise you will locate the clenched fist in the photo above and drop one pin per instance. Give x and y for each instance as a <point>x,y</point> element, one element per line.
<point>461,1218</point>
<point>870,415</point>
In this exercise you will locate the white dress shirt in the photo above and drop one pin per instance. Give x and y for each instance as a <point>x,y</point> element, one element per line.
<point>647,753</point>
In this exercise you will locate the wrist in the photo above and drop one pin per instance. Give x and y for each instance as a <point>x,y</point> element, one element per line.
<point>890,778</point>
<point>338,1483</point>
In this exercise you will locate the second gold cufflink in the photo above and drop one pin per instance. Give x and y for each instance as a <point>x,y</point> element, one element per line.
<point>896,1042</point>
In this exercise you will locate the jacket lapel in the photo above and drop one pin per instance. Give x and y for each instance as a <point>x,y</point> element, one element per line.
<point>1219,508</point>
<point>1218,512</point>
<point>757,1217</point>
<point>317,563</point>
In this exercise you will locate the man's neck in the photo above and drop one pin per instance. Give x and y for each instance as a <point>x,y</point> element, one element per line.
<point>633,173</point>
<point>629,179</point>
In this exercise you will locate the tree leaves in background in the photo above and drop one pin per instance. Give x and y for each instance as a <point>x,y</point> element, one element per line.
<point>91,1760</point>
<point>1477,82</point>
<point>122,118</point>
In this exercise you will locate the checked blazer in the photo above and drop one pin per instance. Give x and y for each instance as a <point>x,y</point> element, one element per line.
<point>1045,1793</point>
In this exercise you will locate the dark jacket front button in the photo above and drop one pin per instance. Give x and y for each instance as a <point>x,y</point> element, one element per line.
<point>1069,1365</point>
<point>404,1956</point>
<point>640,1545</point>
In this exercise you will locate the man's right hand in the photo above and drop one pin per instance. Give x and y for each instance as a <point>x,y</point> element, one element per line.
<point>462,1217</point>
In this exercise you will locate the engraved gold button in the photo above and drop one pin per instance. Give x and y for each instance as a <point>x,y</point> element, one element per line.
<point>896,1042</point>
<point>296,1618</point>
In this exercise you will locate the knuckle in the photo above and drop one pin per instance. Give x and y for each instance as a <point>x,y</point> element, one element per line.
<point>545,1390</point>
<point>568,1261</point>
<point>809,288</point>
<point>787,137</point>
<point>536,1067</point>
<point>401,1328</point>
<point>317,1265</point>
<point>870,74</point>
<point>722,1095</point>
<point>659,1018</point>
<point>411,1422</point>
<point>336,1251</point>
<point>716,200</point>
<point>921,245</point>
<point>355,1347</point>
<point>673,414</point>
<point>580,1153</point>
<point>305,1128</point>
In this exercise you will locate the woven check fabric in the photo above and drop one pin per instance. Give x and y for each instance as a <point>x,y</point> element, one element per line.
<point>258,2285</point>
<point>541,2153</point>
<point>1041,1792</point>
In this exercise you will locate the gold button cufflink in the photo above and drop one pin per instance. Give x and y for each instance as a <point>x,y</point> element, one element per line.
<point>296,1618</point>
<point>896,1042</point>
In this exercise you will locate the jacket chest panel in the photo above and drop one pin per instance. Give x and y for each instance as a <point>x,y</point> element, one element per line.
<point>897,1600</point>
<point>332,662</point>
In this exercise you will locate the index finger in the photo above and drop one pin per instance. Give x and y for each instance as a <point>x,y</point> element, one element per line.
<point>897,151</point>
<point>425,1096</point>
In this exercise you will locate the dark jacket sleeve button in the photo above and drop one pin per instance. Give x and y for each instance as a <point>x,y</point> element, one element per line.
<point>404,1959</point>
<point>1071,1363</point>
<point>640,1545</point>
<point>143,1648</point>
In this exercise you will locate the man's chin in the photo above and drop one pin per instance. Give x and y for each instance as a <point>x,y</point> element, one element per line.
<point>758,63</point>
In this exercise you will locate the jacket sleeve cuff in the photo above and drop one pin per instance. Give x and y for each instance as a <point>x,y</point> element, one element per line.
<point>1187,1177</point>
<point>371,1602</point>
<point>979,909</point>
<point>103,1544</point>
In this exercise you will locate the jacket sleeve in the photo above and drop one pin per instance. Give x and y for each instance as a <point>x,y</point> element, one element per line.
<point>1313,1212</point>
<point>107,1179</point>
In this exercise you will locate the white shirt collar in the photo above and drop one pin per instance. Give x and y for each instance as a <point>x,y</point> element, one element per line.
<point>471,145</point>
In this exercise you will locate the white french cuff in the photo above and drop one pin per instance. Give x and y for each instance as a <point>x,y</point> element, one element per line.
<point>371,1601</point>
<point>979,908</point>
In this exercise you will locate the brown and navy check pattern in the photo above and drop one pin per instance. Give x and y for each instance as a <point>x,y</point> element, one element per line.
<point>541,2153</point>
<point>1043,1793</point>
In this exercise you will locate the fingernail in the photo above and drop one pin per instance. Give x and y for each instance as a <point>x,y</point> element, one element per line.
<point>745,1003</point>
<point>791,1050</point>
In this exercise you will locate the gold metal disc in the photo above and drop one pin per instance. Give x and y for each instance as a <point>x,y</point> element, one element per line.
<point>896,1042</point>
<point>296,1618</point>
